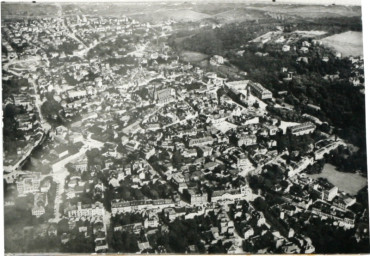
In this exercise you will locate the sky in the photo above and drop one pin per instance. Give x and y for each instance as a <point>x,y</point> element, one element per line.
<point>337,2</point>
<point>324,2</point>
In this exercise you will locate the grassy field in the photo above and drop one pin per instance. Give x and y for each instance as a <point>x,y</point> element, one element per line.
<point>17,10</point>
<point>179,15</point>
<point>348,43</point>
<point>311,11</point>
<point>350,183</point>
<point>238,15</point>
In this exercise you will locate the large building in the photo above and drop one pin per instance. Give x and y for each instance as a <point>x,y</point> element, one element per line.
<point>73,94</point>
<point>243,162</point>
<point>132,128</point>
<point>129,206</point>
<point>165,96</point>
<point>38,210</point>
<point>231,195</point>
<point>86,210</point>
<point>197,198</point>
<point>29,183</point>
<point>225,195</point>
<point>208,140</point>
<point>320,153</point>
<point>22,100</point>
<point>329,195</point>
<point>296,168</point>
<point>237,85</point>
<point>260,91</point>
<point>81,165</point>
<point>216,60</point>
<point>39,203</point>
<point>301,129</point>
<point>217,118</point>
<point>245,139</point>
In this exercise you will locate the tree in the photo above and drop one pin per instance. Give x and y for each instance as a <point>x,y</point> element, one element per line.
<point>260,204</point>
<point>63,226</point>
<point>217,248</point>
<point>124,242</point>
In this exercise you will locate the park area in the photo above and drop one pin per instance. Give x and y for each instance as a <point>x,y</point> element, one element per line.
<point>348,43</point>
<point>350,183</point>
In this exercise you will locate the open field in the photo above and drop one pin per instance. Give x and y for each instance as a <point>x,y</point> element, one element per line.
<point>311,11</point>
<point>348,43</point>
<point>238,14</point>
<point>178,15</point>
<point>17,10</point>
<point>266,37</point>
<point>350,183</point>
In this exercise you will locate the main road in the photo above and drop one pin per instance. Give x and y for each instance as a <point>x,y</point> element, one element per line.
<point>60,172</point>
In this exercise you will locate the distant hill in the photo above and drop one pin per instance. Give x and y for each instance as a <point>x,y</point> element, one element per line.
<point>310,11</point>
<point>19,10</point>
<point>238,15</point>
<point>179,15</point>
<point>222,12</point>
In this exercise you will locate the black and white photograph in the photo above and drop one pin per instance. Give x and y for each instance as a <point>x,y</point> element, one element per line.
<point>184,127</point>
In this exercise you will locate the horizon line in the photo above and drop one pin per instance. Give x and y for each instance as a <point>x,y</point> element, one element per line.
<point>277,2</point>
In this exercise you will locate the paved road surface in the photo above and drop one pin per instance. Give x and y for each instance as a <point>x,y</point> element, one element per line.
<point>60,172</point>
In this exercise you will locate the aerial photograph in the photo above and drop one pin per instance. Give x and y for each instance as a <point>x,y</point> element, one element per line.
<point>184,127</point>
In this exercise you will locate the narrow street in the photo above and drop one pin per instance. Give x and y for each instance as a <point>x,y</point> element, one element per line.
<point>45,125</point>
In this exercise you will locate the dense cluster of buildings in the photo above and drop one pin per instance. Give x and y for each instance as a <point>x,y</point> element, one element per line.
<point>163,140</point>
